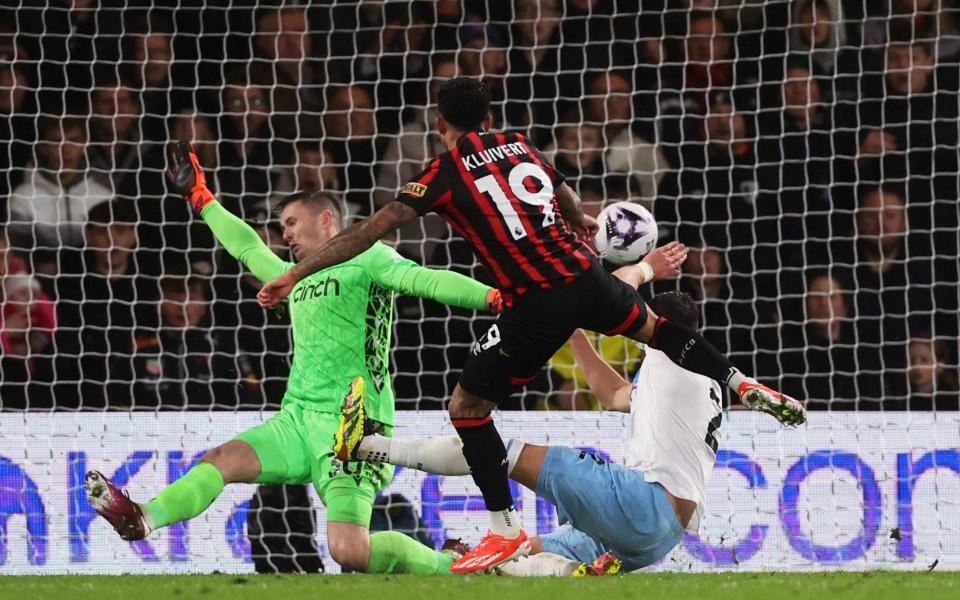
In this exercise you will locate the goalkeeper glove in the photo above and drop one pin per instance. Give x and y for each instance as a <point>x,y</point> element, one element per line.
<point>187,176</point>
<point>494,301</point>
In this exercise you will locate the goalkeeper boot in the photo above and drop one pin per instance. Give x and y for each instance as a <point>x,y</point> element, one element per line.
<point>781,407</point>
<point>115,505</point>
<point>605,564</point>
<point>353,423</point>
<point>492,551</point>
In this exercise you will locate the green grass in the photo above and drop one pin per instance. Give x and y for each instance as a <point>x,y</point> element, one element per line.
<point>675,586</point>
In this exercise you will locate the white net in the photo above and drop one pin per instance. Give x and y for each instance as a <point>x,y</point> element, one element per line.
<point>806,151</point>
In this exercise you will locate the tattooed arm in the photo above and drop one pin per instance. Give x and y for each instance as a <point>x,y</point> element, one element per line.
<point>345,245</point>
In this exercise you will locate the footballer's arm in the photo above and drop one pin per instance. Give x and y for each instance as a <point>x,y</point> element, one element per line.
<point>345,245</point>
<point>582,224</point>
<point>610,388</point>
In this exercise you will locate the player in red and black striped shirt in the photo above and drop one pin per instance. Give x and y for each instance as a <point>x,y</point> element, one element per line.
<point>526,226</point>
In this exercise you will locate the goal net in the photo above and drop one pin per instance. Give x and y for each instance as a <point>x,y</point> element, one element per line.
<point>805,152</point>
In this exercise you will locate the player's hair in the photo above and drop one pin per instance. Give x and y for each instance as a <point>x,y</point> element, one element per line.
<point>678,307</point>
<point>46,125</point>
<point>464,102</point>
<point>318,200</point>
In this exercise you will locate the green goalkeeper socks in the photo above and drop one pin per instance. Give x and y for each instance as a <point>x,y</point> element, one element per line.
<point>186,497</point>
<point>394,552</point>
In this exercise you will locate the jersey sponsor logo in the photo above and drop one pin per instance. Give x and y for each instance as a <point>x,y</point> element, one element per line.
<point>320,289</point>
<point>417,190</point>
<point>485,157</point>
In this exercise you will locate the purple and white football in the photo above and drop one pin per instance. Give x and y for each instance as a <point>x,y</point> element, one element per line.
<point>627,233</point>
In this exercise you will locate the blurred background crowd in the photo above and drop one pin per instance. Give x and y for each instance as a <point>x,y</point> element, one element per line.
<point>806,151</point>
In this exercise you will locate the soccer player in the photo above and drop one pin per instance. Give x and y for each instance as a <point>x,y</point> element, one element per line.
<point>342,322</point>
<point>527,228</point>
<point>636,512</point>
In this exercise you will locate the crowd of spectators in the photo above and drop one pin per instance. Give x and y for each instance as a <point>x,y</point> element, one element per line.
<point>806,151</point>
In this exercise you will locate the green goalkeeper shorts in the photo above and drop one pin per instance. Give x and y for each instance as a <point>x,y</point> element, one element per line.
<point>295,446</point>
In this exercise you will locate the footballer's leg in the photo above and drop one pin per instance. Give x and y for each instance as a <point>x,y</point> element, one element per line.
<point>627,314</point>
<point>688,349</point>
<point>348,488</point>
<point>268,453</point>
<point>183,499</point>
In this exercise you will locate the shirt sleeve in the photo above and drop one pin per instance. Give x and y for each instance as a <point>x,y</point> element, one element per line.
<point>243,243</point>
<point>387,268</point>
<point>556,177</point>
<point>427,190</point>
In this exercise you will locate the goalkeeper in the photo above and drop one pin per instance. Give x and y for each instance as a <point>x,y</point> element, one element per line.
<point>342,321</point>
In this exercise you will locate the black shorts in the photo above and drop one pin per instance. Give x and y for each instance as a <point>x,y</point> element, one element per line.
<point>541,321</point>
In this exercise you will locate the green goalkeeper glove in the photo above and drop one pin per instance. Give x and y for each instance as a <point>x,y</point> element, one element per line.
<point>187,176</point>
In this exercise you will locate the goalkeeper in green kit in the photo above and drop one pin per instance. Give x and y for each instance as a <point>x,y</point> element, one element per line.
<point>342,320</point>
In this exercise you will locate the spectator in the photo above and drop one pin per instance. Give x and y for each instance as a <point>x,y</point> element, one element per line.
<point>893,293</point>
<point>313,170</point>
<point>926,20</point>
<point>818,361</point>
<point>818,37</point>
<point>99,306</point>
<point>249,154</point>
<point>539,87</point>
<point>579,156</point>
<point>406,155</point>
<point>904,136</point>
<point>10,263</point>
<point>17,110</point>
<point>28,317</point>
<point>186,365</point>
<point>350,129</point>
<point>932,380</point>
<point>797,171</point>
<point>286,65</point>
<point>727,318</point>
<point>48,210</point>
<point>636,160</point>
<point>27,324</point>
<point>122,154</point>
<point>482,54</point>
<point>715,186</point>
<point>150,48</point>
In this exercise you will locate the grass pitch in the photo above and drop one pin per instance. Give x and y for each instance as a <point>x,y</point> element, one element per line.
<point>676,586</point>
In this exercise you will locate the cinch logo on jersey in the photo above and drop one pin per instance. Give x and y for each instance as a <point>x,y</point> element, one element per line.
<point>484,157</point>
<point>328,287</point>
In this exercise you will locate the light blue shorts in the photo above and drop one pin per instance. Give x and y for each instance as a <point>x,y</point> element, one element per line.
<point>606,508</point>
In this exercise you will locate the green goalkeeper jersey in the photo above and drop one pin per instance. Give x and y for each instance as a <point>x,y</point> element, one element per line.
<point>342,317</point>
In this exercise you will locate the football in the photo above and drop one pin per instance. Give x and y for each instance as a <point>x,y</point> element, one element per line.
<point>627,233</point>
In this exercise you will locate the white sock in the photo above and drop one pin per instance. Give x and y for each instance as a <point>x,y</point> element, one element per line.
<point>544,564</point>
<point>505,523</point>
<point>147,519</point>
<point>514,448</point>
<point>442,455</point>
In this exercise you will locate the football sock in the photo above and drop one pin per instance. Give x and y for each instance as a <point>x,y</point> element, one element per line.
<point>514,448</point>
<point>186,497</point>
<point>689,350</point>
<point>442,455</point>
<point>394,552</point>
<point>487,457</point>
<point>544,564</point>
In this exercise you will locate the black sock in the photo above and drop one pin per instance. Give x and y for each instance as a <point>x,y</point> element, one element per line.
<point>487,457</point>
<point>688,349</point>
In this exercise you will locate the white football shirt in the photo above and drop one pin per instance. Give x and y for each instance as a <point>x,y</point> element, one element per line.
<point>674,418</point>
